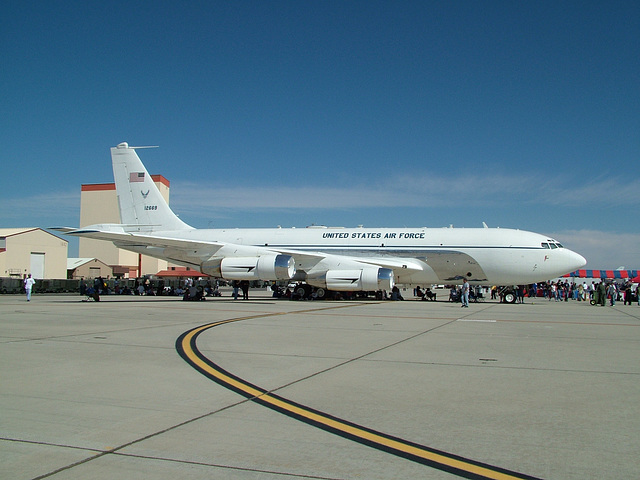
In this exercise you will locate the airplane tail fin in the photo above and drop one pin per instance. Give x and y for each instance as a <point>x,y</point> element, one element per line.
<point>142,206</point>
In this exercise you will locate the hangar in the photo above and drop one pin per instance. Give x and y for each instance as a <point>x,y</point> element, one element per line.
<point>34,251</point>
<point>78,268</point>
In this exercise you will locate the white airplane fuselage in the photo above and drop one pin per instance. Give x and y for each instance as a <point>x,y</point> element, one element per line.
<point>485,256</point>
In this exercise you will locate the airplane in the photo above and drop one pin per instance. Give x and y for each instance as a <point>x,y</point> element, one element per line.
<point>324,258</point>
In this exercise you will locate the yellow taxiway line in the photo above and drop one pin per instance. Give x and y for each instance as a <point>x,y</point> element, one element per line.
<point>462,467</point>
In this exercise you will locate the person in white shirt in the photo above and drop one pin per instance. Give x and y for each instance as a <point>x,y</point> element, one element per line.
<point>28,285</point>
<point>464,294</point>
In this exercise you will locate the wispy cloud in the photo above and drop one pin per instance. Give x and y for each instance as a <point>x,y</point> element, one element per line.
<point>603,250</point>
<point>40,206</point>
<point>413,191</point>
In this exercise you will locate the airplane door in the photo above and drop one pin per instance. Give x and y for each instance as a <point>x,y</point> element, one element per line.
<point>37,265</point>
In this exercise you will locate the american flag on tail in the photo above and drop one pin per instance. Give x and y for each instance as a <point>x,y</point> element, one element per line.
<point>136,177</point>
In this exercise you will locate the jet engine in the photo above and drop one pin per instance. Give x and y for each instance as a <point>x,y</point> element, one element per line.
<point>265,267</point>
<point>367,279</point>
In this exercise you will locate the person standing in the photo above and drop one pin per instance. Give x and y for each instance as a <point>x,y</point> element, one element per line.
<point>28,285</point>
<point>244,286</point>
<point>627,294</point>
<point>464,293</point>
<point>602,294</point>
<point>612,292</point>
<point>520,293</point>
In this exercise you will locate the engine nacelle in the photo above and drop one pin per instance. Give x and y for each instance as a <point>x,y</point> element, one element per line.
<point>265,267</point>
<point>367,279</point>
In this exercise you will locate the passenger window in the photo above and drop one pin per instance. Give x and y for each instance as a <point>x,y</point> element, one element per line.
<point>544,245</point>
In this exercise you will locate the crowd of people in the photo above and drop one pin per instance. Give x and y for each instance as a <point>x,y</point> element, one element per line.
<point>188,289</point>
<point>598,293</point>
<point>595,292</point>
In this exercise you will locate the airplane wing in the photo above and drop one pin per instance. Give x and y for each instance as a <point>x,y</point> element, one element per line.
<point>190,251</point>
<point>139,239</point>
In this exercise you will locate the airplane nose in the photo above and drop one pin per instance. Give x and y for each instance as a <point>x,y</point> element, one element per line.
<point>576,260</point>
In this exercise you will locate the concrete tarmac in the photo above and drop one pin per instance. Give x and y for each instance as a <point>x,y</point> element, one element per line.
<point>275,389</point>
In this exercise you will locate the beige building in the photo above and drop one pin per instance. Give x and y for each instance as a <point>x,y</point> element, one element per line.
<point>78,268</point>
<point>99,204</point>
<point>34,251</point>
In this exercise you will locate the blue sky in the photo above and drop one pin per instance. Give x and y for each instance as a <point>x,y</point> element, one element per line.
<point>519,114</point>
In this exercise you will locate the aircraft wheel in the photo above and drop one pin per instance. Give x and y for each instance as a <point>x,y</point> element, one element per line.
<point>510,297</point>
<point>321,293</point>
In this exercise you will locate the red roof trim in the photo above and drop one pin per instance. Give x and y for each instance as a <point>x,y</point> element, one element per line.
<point>96,187</point>
<point>160,179</point>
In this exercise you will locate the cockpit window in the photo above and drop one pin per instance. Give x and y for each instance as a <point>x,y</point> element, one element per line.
<point>553,245</point>
<point>559,245</point>
<point>544,245</point>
